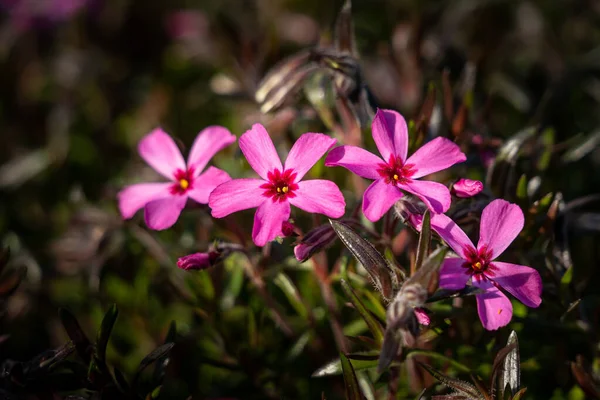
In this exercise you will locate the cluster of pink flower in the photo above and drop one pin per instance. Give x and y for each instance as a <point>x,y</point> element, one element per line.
<point>281,185</point>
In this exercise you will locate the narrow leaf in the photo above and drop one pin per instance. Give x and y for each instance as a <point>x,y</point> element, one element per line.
<point>344,31</point>
<point>511,368</point>
<point>350,381</point>
<point>429,268</point>
<point>424,240</point>
<point>76,334</point>
<point>374,325</point>
<point>462,387</point>
<point>369,257</point>
<point>360,361</point>
<point>443,294</point>
<point>105,330</point>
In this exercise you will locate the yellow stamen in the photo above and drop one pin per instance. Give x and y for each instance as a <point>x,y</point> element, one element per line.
<point>184,184</point>
<point>395,177</point>
<point>477,265</point>
<point>285,189</point>
<point>278,190</point>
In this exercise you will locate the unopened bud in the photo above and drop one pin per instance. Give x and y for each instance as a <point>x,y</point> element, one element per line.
<point>314,241</point>
<point>467,188</point>
<point>198,260</point>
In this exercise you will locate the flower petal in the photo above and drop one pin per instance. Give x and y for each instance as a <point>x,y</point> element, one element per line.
<point>494,308</point>
<point>259,150</point>
<point>163,213</point>
<point>209,142</point>
<point>307,150</point>
<point>435,195</point>
<point>319,196</point>
<point>357,160</point>
<point>501,222</point>
<point>206,183</point>
<point>236,195</point>
<point>453,275</point>
<point>467,188</point>
<point>435,156</point>
<point>390,134</point>
<point>159,150</point>
<point>378,199</point>
<point>134,197</point>
<point>455,237</point>
<point>422,316</point>
<point>522,282</point>
<point>268,221</point>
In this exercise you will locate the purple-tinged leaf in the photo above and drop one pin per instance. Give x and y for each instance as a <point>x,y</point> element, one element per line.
<point>351,383</point>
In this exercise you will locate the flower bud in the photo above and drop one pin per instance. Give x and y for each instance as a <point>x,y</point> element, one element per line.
<point>467,188</point>
<point>316,240</point>
<point>198,260</point>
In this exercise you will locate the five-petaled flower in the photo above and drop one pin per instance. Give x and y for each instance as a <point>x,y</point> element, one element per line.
<point>501,222</point>
<point>163,202</point>
<point>395,172</point>
<point>279,186</point>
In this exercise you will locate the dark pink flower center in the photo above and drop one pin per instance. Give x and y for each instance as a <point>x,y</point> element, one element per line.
<point>281,185</point>
<point>184,181</point>
<point>478,262</point>
<point>395,171</point>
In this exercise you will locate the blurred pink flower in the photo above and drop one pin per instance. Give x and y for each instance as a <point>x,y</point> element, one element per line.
<point>467,188</point>
<point>198,260</point>
<point>163,202</point>
<point>391,137</point>
<point>422,316</point>
<point>279,185</point>
<point>314,241</point>
<point>24,13</point>
<point>501,222</point>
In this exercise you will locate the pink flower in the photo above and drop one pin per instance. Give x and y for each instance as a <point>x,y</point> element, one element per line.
<point>198,260</point>
<point>467,188</point>
<point>391,137</point>
<point>163,202</point>
<point>501,222</point>
<point>279,185</point>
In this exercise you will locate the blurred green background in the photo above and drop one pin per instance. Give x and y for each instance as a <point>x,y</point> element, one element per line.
<point>82,81</point>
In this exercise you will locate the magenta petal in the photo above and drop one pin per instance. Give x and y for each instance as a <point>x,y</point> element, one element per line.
<point>159,150</point>
<point>453,275</point>
<point>467,188</point>
<point>378,199</point>
<point>268,221</point>
<point>422,316</point>
<point>522,282</point>
<point>501,222</point>
<point>163,213</point>
<point>207,182</point>
<point>236,195</point>
<point>435,156</point>
<point>494,308</point>
<point>209,141</point>
<point>307,150</point>
<point>455,237</point>
<point>259,150</point>
<point>134,197</point>
<point>435,195</point>
<point>390,134</point>
<point>319,196</point>
<point>357,160</point>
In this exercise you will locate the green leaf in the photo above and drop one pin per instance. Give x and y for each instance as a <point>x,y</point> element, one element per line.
<point>360,361</point>
<point>424,240</point>
<point>155,355</point>
<point>429,268</point>
<point>437,356</point>
<point>547,143</point>
<point>374,325</point>
<point>519,395</point>
<point>76,334</point>
<point>375,264</point>
<point>510,375</point>
<point>443,294</point>
<point>350,381</point>
<point>461,387</point>
<point>106,327</point>
<point>522,187</point>
<point>292,293</point>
